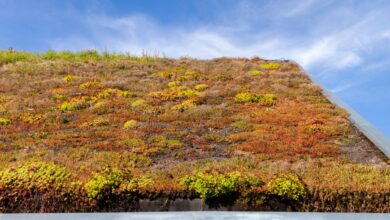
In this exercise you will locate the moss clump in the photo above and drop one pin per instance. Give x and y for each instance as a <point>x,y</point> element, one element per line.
<point>187,104</point>
<point>288,186</point>
<point>265,100</point>
<point>104,183</point>
<point>255,72</point>
<point>131,124</point>
<point>215,185</point>
<point>5,121</point>
<point>270,66</point>
<point>201,87</point>
<point>35,174</point>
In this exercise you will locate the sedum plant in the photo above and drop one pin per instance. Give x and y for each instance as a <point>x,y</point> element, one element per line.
<point>287,186</point>
<point>5,121</point>
<point>216,185</point>
<point>265,100</point>
<point>131,124</point>
<point>270,66</point>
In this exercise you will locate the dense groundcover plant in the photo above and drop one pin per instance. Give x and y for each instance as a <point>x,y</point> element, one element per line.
<point>214,185</point>
<point>92,131</point>
<point>287,186</point>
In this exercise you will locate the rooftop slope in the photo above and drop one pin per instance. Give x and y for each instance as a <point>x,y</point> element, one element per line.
<point>89,131</point>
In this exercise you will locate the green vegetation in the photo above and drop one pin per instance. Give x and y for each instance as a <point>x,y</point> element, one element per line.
<point>77,103</point>
<point>4,121</point>
<point>106,182</point>
<point>92,131</point>
<point>270,66</point>
<point>288,186</point>
<point>131,124</point>
<point>214,185</point>
<point>187,104</point>
<point>96,123</point>
<point>255,72</point>
<point>201,87</point>
<point>35,175</point>
<point>265,100</point>
<point>68,78</point>
<point>31,118</point>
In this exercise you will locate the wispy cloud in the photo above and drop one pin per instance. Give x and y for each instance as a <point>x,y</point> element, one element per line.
<point>344,44</point>
<point>334,45</point>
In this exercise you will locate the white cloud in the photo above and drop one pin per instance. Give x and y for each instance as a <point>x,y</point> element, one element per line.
<point>343,87</point>
<point>332,46</point>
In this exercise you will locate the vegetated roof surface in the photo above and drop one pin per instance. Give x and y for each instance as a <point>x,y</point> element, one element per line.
<point>97,131</point>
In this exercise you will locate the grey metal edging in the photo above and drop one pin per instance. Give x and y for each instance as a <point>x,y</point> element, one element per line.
<point>372,133</point>
<point>198,215</point>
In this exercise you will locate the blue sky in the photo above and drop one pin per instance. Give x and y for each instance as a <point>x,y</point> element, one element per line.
<point>344,44</point>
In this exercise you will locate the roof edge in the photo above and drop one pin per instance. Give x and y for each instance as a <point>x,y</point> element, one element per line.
<point>379,139</point>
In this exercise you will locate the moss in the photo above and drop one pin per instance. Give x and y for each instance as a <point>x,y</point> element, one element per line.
<point>288,186</point>
<point>270,66</point>
<point>5,121</point>
<point>131,124</point>
<point>215,185</point>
